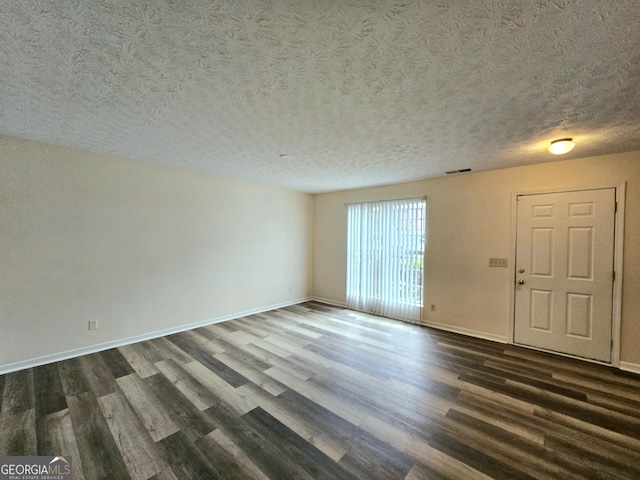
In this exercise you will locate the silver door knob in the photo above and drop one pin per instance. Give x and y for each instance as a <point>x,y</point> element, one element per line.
<point>520,282</point>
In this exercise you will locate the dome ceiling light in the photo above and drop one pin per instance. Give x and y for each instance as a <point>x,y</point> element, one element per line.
<point>561,146</point>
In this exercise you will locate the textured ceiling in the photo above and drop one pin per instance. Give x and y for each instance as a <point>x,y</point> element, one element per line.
<point>323,95</point>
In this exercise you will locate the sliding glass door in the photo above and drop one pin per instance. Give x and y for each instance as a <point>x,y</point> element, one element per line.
<point>385,253</point>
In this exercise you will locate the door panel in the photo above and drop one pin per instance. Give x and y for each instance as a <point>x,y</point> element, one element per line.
<point>579,315</point>
<point>542,252</point>
<point>564,272</point>
<point>541,308</point>
<point>580,253</point>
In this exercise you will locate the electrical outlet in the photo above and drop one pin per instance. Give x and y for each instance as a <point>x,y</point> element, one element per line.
<point>93,324</point>
<point>433,307</point>
<point>497,262</point>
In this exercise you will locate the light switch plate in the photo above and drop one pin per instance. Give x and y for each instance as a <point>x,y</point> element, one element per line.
<point>497,262</point>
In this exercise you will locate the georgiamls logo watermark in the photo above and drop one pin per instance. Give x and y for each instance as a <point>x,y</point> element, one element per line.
<point>35,468</point>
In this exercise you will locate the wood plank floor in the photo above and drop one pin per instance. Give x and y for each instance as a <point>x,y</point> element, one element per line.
<point>314,392</point>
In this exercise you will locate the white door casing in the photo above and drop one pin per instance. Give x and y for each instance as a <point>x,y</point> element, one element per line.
<point>564,272</point>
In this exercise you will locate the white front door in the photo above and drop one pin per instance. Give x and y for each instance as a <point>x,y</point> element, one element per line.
<point>564,272</point>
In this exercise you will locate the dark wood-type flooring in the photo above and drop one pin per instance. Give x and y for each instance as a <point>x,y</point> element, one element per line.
<point>313,391</point>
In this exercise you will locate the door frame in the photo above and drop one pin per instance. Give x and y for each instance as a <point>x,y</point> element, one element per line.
<point>616,314</point>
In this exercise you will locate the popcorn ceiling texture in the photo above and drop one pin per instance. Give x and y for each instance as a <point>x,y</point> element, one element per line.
<point>355,93</point>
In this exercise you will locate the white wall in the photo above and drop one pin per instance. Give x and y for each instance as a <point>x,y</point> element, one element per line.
<point>140,247</point>
<point>468,222</point>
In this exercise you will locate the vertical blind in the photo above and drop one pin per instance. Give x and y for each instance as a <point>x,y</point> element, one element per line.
<point>385,254</point>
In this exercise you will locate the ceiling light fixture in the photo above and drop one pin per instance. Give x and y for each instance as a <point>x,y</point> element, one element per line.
<point>561,146</point>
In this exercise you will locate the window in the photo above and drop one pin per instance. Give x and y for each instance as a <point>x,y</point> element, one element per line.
<point>385,255</point>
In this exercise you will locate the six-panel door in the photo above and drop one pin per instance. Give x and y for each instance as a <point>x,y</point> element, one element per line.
<point>564,272</point>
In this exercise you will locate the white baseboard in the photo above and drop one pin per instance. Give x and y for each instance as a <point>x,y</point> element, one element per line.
<point>77,352</point>
<point>466,331</point>
<point>630,367</point>
<point>329,302</point>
